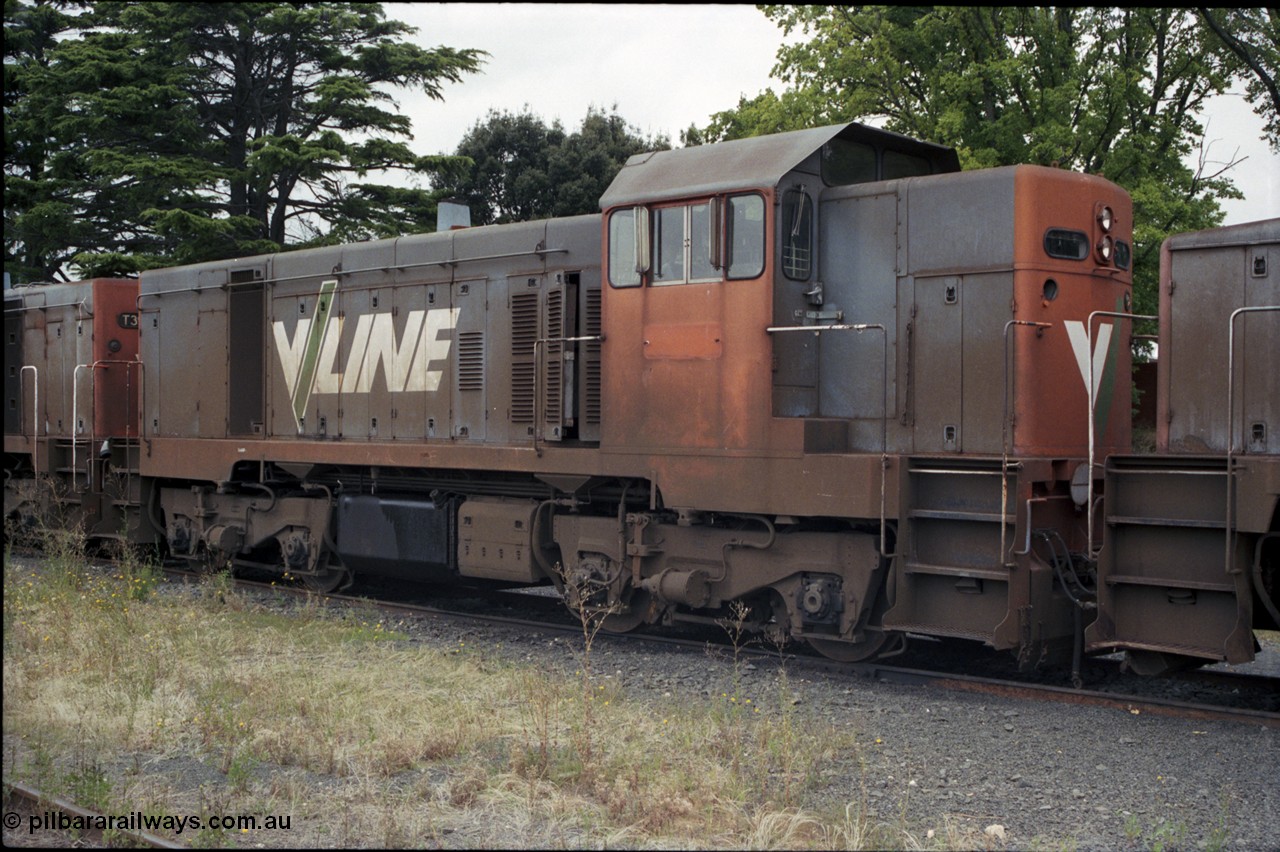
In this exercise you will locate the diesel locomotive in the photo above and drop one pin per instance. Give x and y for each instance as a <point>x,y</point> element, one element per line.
<point>823,377</point>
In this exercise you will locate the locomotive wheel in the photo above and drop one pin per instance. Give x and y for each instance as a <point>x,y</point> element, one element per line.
<point>327,578</point>
<point>636,614</point>
<point>327,582</point>
<point>850,652</point>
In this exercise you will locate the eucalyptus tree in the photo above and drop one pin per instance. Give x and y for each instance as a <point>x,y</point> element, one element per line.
<point>1250,38</point>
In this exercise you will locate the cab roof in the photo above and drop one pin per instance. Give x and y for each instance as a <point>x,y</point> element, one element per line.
<point>756,162</point>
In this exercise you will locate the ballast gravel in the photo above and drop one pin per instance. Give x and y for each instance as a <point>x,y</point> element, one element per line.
<point>1015,773</point>
<point>1021,774</point>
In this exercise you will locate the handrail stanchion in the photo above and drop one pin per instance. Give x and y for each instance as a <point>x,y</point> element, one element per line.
<point>1088,336</point>
<point>1231,423</point>
<point>1004,435</point>
<point>35,415</point>
<point>884,414</point>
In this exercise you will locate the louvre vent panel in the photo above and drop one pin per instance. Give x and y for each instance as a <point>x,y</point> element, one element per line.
<point>524,334</point>
<point>524,324</point>
<point>553,359</point>
<point>471,361</point>
<point>522,392</point>
<point>592,366</point>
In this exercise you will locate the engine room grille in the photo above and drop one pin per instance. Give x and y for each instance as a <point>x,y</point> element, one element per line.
<point>471,361</point>
<point>552,358</point>
<point>592,366</point>
<point>524,334</point>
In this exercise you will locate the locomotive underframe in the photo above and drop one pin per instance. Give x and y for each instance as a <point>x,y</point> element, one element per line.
<point>1190,560</point>
<point>82,484</point>
<point>936,545</point>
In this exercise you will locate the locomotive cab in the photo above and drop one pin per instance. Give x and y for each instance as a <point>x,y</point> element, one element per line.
<point>925,354</point>
<point>707,248</point>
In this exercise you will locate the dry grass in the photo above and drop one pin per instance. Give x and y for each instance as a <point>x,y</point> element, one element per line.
<point>210,703</point>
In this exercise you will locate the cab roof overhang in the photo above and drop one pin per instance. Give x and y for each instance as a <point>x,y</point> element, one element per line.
<point>759,161</point>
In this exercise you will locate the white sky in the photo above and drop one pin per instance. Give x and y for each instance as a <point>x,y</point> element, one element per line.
<point>668,66</point>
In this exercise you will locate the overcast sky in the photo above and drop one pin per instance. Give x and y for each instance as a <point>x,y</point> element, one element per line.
<point>666,67</point>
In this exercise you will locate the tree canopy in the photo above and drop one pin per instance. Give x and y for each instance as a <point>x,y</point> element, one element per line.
<point>1112,91</point>
<point>141,134</point>
<point>1250,40</point>
<point>522,168</point>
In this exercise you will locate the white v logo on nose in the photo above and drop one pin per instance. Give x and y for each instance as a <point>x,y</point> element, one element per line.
<point>1080,346</point>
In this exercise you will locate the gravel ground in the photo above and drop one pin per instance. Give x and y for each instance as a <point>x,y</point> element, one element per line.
<point>1042,775</point>
<point>1052,776</point>
<point>1034,775</point>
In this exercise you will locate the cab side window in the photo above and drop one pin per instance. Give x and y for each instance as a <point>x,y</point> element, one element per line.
<point>624,263</point>
<point>745,238</point>
<point>682,245</point>
<point>706,241</point>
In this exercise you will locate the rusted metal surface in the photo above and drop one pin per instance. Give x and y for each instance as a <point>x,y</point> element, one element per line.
<point>73,387</point>
<point>80,341</point>
<point>823,375</point>
<point>1204,278</point>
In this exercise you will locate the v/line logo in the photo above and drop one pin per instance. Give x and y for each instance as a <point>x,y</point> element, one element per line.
<point>1090,367</point>
<point>1098,366</point>
<point>310,358</point>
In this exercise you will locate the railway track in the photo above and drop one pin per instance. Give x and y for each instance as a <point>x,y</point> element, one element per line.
<point>1119,694</point>
<point>49,820</point>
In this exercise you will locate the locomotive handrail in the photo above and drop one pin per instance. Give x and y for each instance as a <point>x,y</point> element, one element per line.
<point>1088,336</point>
<point>1004,440</point>
<point>537,371</point>
<point>454,261</point>
<point>75,409</point>
<point>75,418</point>
<point>1231,431</point>
<point>884,414</point>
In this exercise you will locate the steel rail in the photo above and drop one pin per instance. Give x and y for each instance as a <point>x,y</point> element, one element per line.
<point>889,673</point>
<point>35,797</point>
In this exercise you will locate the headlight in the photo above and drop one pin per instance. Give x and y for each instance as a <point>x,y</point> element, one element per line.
<point>1106,218</point>
<point>1080,484</point>
<point>1105,249</point>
